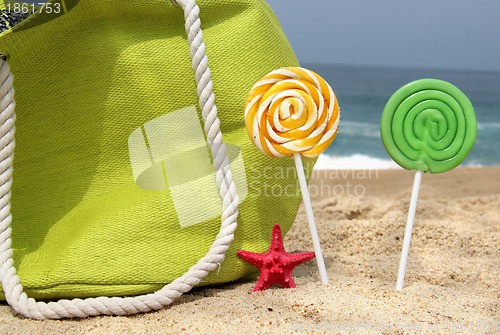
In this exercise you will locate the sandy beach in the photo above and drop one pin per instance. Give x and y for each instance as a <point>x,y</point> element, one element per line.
<point>452,283</point>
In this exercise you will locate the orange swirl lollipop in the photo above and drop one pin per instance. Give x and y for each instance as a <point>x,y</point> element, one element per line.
<point>292,110</point>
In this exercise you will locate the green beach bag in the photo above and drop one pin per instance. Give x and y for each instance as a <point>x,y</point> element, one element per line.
<point>133,174</point>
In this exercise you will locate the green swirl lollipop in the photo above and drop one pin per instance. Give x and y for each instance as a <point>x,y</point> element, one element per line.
<point>428,125</point>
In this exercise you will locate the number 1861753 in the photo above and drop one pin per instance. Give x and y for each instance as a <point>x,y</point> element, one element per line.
<point>25,8</point>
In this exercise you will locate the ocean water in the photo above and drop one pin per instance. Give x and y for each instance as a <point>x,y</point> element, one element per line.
<point>362,93</point>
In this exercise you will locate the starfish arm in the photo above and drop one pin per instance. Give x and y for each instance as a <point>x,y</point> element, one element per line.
<point>262,284</point>
<point>301,257</point>
<point>277,239</point>
<point>251,257</point>
<point>288,282</point>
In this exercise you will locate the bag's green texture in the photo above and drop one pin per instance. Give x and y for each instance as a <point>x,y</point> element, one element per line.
<point>84,81</point>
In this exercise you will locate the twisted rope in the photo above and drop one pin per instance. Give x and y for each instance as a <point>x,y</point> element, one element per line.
<point>130,305</point>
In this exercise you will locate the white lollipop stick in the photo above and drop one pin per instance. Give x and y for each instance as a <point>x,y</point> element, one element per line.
<point>409,229</point>
<point>310,218</point>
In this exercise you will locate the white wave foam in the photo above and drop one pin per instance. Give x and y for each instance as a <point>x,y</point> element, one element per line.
<point>373,129</point>
<point>354,162</point>
<point>360,129</point>
<point>494,125</point>
<point>471,163</point>
<point>364,162</point>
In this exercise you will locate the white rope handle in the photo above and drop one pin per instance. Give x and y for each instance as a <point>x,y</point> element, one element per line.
<point>131,305</point>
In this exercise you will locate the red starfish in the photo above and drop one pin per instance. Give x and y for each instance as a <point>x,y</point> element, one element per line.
<point>276,264</point>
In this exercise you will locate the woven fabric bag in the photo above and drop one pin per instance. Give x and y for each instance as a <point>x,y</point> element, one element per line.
<point>114,183</point>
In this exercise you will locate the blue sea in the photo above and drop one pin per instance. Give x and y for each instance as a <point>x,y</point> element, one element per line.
<point>362,93</point>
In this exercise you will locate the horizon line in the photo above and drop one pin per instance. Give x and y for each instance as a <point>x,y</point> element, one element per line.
<point>402,67</point>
